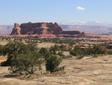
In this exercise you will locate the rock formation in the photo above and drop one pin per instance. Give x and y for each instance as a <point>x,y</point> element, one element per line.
<point>46,33</point>
<point>16,29</point>
<point>43,30</point>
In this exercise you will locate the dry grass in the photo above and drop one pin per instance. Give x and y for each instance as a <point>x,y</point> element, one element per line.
<point>45,45</point>
<point>3,42</point>
<point>87,71</point>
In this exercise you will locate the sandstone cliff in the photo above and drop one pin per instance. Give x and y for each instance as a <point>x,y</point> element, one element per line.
<point>36,28</point>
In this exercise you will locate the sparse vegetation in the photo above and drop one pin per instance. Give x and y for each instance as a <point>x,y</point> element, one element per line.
<point>26,64</point>
<point>12,49</point>
<point>92,51</point>
<point>27,58</point>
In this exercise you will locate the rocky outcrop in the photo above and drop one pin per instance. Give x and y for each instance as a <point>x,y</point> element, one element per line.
<point>16,30</point>
<point>43,29</point>
<point>36,28</point>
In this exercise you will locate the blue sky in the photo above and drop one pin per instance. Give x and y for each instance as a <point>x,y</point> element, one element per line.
<point>61,11</point>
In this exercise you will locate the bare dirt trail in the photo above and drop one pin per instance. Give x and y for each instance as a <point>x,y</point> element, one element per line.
<point>87,71</point>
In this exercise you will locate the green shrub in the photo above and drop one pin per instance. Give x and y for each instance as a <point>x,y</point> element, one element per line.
<point>52,58</point>
<point>78,52</point>
<point>92,51</point>
<point>96,50</point>
<point>12,49</point>
<point>52,63</point>
<point>22,58</point>
<point>1,50</point>
<point>25,58</point>
<point>44,53</point>
<point>25,63</point>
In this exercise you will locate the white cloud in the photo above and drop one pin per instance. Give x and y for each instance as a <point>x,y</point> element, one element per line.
<point>80,8</point>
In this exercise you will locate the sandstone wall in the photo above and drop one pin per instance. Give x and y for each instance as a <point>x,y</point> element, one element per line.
<point>36,28</point>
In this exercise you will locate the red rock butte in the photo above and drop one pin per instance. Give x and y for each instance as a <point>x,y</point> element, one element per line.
<point>42,30</point>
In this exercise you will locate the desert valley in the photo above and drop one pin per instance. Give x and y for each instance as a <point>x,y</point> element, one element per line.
<point>85,57</point>
<point>55,42</point>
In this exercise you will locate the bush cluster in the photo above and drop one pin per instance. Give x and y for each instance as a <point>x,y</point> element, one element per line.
<point>26,58</point>
<point>93,51</point>
<point>53,58</point>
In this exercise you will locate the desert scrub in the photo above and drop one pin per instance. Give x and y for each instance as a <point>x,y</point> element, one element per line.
<point>89,51</point>
<point>53,62</point>
<point>25,64</point>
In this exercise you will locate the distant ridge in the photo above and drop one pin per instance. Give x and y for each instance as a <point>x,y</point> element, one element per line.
<point>100,29</point>
<point>5,29</point>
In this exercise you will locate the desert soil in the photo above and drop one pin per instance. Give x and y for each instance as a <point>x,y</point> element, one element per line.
<point>87,71</point>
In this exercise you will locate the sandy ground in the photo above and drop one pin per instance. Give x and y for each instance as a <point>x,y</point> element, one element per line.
<point>87,71</point>
<point>3,58</point>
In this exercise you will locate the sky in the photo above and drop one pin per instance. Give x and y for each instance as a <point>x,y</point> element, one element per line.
<point>61,11</point>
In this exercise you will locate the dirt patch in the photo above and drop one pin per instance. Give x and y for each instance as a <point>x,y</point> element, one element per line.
<point>3,58</point>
